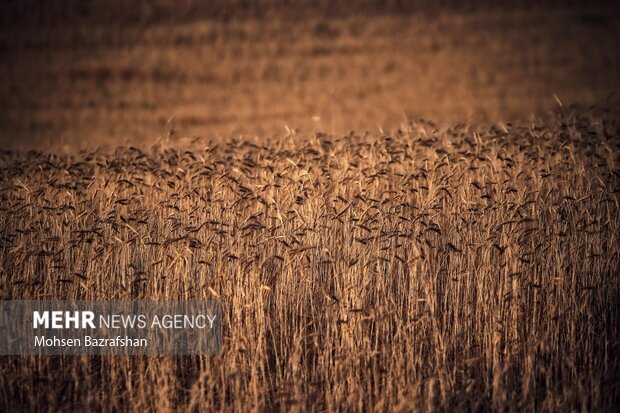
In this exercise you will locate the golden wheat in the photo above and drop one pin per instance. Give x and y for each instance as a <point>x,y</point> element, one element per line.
<point>425,269</point>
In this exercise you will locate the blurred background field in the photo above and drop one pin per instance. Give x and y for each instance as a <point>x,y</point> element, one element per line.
<point>110,72</point>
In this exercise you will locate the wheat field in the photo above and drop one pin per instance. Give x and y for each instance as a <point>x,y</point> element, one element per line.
<point>422,269</point>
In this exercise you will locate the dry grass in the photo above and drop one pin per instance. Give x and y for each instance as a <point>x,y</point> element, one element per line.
<point>423,269</point>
